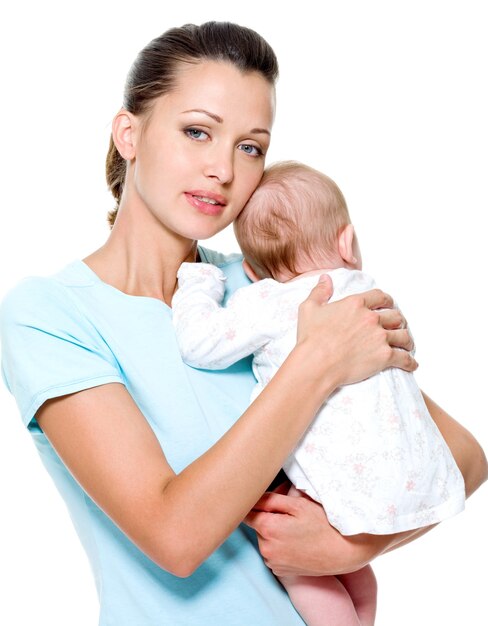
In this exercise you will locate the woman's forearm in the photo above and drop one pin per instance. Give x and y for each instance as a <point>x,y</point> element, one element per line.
<point>466,450</point>
<point>179,519</point>
<point>238,468</point>
<point>231,476</point>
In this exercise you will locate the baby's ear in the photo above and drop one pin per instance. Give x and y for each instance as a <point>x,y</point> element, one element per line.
<point>250,273</point>
<point>346,245</point>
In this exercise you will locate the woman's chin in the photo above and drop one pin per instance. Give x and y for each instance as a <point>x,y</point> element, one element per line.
<point>201,232</point>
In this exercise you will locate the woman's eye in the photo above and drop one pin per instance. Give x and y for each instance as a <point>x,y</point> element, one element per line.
<point>196,133</point>
<point>250,149</point>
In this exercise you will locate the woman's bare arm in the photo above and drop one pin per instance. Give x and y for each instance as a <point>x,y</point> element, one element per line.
<point>178,520</point>
<point>468,453</point>
<point>296,538</point>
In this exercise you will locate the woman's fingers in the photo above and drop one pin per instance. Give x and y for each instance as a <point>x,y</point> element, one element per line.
<point>355,337</point>
<point>377,299</point>
<point>322,292</point>
<point>254,518</point>
<point>400,339</point>
<point>403,360</point>
<point>270,502</point>
<point>392,319</point>
<point>273,502</point>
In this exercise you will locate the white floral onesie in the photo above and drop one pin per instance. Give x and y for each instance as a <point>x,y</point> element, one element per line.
<point>373,457</point>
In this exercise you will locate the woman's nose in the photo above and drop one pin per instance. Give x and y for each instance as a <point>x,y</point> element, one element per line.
<point>220,165</point>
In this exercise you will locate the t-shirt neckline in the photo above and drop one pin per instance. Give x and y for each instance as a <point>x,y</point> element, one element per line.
<point>96,278</point>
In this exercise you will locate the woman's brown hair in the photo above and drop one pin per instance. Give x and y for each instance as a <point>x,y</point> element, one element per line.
<point>155,70</point>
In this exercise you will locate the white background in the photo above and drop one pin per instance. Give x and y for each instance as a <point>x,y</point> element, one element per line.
<point>388,98</point>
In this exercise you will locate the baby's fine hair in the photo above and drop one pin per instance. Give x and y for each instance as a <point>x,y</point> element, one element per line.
<point>292,221</point>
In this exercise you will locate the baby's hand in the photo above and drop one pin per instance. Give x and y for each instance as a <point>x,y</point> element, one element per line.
<point>203,276</point>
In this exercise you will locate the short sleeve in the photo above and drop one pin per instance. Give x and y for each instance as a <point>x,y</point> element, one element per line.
<point>49,348</point>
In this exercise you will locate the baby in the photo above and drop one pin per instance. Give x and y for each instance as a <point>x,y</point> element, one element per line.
<point>372,457</point>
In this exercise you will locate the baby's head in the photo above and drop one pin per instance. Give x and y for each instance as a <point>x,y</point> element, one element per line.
<point>295,222</point>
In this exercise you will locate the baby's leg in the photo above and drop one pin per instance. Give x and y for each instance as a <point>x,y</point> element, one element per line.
<point>344,600</point>
<point>321,600</point>
<point>362,589</point>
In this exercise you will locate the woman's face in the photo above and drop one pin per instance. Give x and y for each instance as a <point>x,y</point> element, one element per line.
<point>201,153</point>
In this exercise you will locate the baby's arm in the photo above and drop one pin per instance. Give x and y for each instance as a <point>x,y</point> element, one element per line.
<point>209,335</point>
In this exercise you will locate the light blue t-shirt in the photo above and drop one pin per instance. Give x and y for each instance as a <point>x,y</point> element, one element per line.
<point>71,331</point>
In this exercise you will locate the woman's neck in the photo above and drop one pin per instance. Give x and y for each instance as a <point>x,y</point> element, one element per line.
<point>141,258</point>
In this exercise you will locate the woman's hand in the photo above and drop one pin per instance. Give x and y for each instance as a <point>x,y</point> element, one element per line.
<point>351,339</point>
<point>295,538</point>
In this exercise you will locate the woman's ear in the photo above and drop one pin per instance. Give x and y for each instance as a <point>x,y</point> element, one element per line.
<point>250,273</point>
<point>348,245</point>
<point>123,134</point>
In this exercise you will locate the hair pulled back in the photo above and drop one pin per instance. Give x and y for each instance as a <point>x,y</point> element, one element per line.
<point>155,70</point>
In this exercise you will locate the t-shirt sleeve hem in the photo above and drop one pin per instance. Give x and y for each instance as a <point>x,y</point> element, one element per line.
<point>63,390</point>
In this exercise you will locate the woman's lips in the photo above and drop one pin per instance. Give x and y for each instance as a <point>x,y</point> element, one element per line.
<point>206,202</point>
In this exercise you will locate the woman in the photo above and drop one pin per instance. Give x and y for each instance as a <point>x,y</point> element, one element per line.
<point>151,456</point>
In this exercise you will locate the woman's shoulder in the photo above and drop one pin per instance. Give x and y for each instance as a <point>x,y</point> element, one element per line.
<point>41,296</point>
<point>49,347</point>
